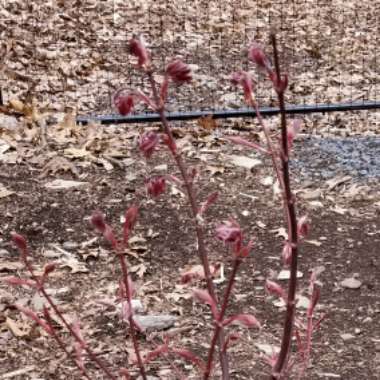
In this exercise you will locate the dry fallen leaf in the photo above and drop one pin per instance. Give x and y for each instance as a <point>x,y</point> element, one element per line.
<point>5,192</point>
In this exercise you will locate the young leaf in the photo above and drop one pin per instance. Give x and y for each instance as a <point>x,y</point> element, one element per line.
<point>248,320</point>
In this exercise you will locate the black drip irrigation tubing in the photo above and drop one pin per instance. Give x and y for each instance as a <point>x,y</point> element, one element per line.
<point>225,114</point>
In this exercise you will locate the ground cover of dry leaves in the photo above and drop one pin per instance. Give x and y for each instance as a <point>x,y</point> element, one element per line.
<point>61,58</point>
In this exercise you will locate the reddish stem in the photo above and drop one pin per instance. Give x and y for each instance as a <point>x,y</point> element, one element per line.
<point>132,325</point>
<point>218,323</point>
<point>64,348</point>
<point>283,355</point>
<point>41,289</point>
<point>202,252</point>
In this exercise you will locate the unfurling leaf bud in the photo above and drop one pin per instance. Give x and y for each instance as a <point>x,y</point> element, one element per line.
<point>156,186</point>
<point>256,54</point>
<point>138,49</point>
<point>130,221</point>
<point>247,320</point>
<point>148,142</point>
<point>274,289</point>
<point>244,79</point>
<point>229,232</point>
<point>178,71</point>
<point>123,102</point>
<point>20,242</point>
<point>205,297</point>
<point>286,253</point>
<point>97,220</point>
<point>293,130</point>
<point>303,226</point>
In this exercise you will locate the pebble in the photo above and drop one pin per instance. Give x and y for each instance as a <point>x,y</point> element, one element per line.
<point>155,322</point>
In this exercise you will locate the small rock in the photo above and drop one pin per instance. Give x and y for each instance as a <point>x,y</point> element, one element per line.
<point>347,337</point>
<point>61,184</point>
<point>70,245</point>
<point>285,275</point>
<point>351,283</point>
<point>155,322</point>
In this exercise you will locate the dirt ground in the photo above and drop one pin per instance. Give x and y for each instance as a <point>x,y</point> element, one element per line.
<point>61,54</point>
<point>344,240</point>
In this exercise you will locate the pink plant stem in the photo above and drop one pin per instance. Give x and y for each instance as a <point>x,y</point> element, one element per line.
<point>202,253</point>
<point>90,353</point>
<point>64,348</point>
<point>283,355</point>
<point>218,323</point>
<point>132,325</point>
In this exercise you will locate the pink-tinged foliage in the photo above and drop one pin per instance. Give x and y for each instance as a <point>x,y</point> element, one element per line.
<point>205,297</point>
<point>286,253</point>
<point>16,281</point>
<point>79,345</point>
<point>148,143</point>
<point>158,351</point>
<point>211,199</point>
<point>20,242</point>
<point>130,221</point>
<point>98,221</point>
<point>243,79</point>
<point>122,291</point>
<point>156,186</point>
<point>229,232</point>
<point>257,55</point>
<point>178,71</point>
<point>293,130</point>
<point>231,340</point>
<point>138,49</point>
<point>32,315</point>
<point>248,320</point>
<point>275,289</point>
<point>239,140</point>
<point>124,102</point>
<point>189,356</point>
<point>303,226</point>
<point>244,251</point>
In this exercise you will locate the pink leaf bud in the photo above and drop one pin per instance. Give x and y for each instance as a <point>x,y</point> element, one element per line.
<point>148,143</point>
<point>256,54</point>
<point>293,130</point>
<point>20,242</point>
<point>205,297</point>
<point>280,85</point>
<point>156,186</point>
<point>314,300</point>
<point>303,226</point>
<point>130,221</point>
<point>123,102</point>
<point>247,320</point>
<point>178,71</point>
<point>229,232</point>
<point>138,49</point>
<point>50,267</point>
<point>244,251</point>
<point>286,253</point>
<point>211,199</point>
<point>274,289</point>
<point>243,79</point>
<point>98,221</point>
